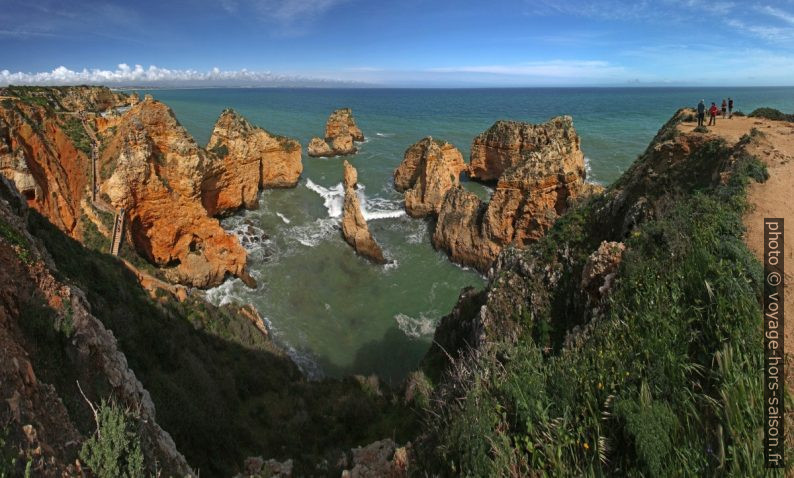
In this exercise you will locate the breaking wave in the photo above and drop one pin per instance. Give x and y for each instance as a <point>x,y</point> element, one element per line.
<point>371,208</point>
<point>415,327</point>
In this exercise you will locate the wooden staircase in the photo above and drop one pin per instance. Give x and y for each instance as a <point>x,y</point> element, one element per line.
<point>118,233</point>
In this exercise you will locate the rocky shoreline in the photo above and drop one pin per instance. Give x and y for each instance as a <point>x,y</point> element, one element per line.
<point>548,368</point>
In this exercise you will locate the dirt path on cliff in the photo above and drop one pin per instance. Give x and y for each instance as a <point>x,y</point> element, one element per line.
<point>774,198</point>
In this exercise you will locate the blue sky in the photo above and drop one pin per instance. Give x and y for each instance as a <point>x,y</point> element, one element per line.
<point>398,43</point>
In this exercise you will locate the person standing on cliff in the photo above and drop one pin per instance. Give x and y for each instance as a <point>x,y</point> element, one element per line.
<point>701,112</point>
<point>724,108</point>
<point>713,114</point>
<point>730,108</point>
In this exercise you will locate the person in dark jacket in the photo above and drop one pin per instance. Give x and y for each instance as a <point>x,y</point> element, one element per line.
<point>724,109</point>
<point>713,114</point>
<point>701,112</point>
<point>730,107</point>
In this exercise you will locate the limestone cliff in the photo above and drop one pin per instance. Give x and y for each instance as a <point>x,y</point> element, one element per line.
<point>340,133</point>
<point>538,169</point>
<point>354,226</point>
<point>246,158</point>
<point>429,169</point>
<point>38,155</point>
<point>156,173</point>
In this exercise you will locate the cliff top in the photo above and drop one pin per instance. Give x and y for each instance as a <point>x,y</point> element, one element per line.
<point>772,198</point>
<point>71,98</point>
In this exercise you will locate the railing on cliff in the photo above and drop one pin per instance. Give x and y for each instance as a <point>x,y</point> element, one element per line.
<point>118,232</point>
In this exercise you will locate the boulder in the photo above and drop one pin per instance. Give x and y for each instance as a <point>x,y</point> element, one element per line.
<point>354,226</point>
<point>429,169</point>
<point>601,269</point>
<point>319,148</point>
<point>380,459</point>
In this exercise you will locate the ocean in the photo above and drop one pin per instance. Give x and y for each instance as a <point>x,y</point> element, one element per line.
<point>337,314</point>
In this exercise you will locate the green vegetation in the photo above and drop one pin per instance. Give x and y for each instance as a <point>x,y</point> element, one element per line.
<point>220,150</point>
<point>114,451</point>
<point>738,113</point>
<point>701,129</point>
<point>665,381</point>
<point>74,128</point>
<point>16,240</point>
<point>35,95</point>
<point>222,390</point>
<point>92,238</point>
<point>771,113</point>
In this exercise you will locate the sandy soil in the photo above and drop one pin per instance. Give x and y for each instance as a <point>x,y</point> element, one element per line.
<point>774,198</point>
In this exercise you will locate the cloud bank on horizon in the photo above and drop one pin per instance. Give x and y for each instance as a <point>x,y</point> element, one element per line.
<point>124,75</point>
<point>400,43</point>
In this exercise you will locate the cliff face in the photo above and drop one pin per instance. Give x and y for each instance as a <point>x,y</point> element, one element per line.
<point>157,174</point>
<point>246,158</point>
<point>40,316</point>
<point>354,226</point>
<point>42,160</point>
<point>539,168</point>
<point>340,133</point>
<point>429,169</point>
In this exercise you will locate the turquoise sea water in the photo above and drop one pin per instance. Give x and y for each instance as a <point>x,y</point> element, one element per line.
<point>335,312</point>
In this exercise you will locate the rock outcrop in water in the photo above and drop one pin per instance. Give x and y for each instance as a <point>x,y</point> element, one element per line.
<point>340,133</point>
<point>354,226</point>
<point>538,168</point>
<point>158,173</point>
<point>246,158</point>
<point>429,169</point>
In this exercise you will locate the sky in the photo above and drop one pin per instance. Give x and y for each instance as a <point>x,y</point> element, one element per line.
<point>408,43</point>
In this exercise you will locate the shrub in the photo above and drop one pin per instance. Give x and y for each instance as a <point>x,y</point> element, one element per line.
<point>74,128</point>
<point>738,113</point>
<point>220,150</point>
<point>772,114</point>
<point>701,129</point>
<point>114,451</point>
<point>666,383</point>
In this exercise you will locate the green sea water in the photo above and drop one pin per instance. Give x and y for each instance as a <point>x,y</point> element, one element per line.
<point>338,314</point>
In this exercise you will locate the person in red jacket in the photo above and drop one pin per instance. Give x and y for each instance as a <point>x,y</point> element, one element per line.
<point>713,114</point>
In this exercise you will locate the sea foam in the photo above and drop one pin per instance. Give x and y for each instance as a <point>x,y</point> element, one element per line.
<point>415,327</point>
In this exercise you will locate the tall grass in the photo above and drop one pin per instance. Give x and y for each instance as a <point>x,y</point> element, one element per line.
<point>666,383</point>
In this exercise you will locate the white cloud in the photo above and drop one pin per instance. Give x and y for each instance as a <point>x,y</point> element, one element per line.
<point>290,11</point>
<point>780,14</point>
<point>543,69</point>
<point>156,76</point>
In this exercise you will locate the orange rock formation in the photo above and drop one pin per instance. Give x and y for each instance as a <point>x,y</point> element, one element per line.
<point>538,168</point>
<point>429,169</point>
<point>340,133</point>
<point>354,226</point>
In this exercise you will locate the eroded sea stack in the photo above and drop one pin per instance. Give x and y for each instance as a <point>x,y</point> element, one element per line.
<point>429,169</point>
<point>249,158</point>
<point>354,226</point>
<point>340,133</point>
<point>537,169</point>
